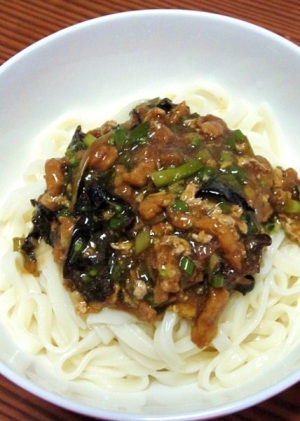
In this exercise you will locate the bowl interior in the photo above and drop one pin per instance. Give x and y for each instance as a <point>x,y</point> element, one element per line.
<point>95,68</point>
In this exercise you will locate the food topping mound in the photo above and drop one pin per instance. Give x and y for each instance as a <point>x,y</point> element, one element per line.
<point>169,210</point>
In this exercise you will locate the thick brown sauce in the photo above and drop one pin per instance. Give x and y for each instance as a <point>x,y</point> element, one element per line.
<point>166,211</point>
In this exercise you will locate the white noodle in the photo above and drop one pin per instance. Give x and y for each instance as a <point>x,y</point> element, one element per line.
<point>112,349</point>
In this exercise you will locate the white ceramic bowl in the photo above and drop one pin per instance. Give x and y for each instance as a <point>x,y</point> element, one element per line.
<point>126,57</point>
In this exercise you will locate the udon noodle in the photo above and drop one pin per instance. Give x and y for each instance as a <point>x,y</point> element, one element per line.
<point>114,350</point>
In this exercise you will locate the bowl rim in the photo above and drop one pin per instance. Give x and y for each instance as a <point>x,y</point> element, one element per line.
<point>110,415</point>
<point>224,409</point>
<point>130,13</point>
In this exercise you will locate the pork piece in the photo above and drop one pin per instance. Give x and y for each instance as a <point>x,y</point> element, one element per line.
<point>167,210</point>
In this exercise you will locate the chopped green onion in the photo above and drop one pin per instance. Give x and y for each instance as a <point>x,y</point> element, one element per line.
<point>272,224</point>
<point>163,272</point>
<point>196,140</point>
<point>118,208</point>
<point>120,138</point>
<point>92,272</point>
<point>140,133</point>
<point>226,157</point>
<point>142,240</point>
<point>237,172</point>
<point>206,172</point>
<point>115,223</point>
<point>77,249</point>
<point>69,152</point>
<point>234,137</point>
<point>85,278</point>
<point>187,265</point>
<point>73,161</point>
<point>204,155</point>
<point>171,175</point>
<point>217,281</point>
<point>78,246</point>
<point>181,206</point>
<point>89,139</point>
<point>292,206</point>
<point>237,137</point>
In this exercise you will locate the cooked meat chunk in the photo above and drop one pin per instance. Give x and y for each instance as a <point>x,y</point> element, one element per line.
<point>168,210</point>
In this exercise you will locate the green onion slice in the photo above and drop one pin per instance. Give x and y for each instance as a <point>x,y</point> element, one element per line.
<point>292,206</point>
<point>89,139</point>
<point>217,281</point>
<point>181,206</point>
<point>142,240</point>
<point>187,265</point>
<point>120,138</point>
<point>140,133</point>
<point>171,175</point>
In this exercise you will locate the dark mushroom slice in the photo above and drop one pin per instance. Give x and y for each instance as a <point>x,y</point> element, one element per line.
<point>218,189</point>
<point>76,143</point>
<point>245,284</point>
<point>165,104</point>
<point>86,267</point>
<point>41,220</point>
<point>254,245</point>
<point>90,255</point>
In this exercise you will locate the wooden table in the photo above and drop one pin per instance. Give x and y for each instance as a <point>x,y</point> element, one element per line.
<point>23,22</point>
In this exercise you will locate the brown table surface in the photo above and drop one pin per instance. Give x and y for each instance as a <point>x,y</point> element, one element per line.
<point>23,22</point>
